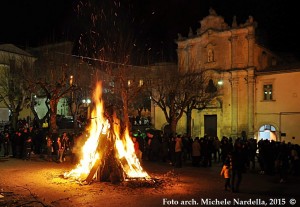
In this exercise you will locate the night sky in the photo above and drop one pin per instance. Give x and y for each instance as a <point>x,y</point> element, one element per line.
<point>29,23</point>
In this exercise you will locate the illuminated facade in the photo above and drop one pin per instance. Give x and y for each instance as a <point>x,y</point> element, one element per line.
<point>54,56</point>
<point>258,98</point>
<point>12,60</point>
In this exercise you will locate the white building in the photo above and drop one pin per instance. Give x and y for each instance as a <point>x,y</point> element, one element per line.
<point>12,60</point>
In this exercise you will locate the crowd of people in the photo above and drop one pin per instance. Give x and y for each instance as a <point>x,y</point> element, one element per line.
<point>235,156</point>
<point>28,141</point>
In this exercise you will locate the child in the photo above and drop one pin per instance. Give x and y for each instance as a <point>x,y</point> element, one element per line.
<point>226,173</point>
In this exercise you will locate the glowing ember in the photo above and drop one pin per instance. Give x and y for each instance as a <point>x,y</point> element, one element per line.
<point>93,150</point>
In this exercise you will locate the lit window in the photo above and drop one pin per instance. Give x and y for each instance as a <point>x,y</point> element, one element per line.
<point>268,92</point>
<point>141,82</point>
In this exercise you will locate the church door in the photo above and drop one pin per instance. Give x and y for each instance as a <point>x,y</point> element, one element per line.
<point>210,125</point>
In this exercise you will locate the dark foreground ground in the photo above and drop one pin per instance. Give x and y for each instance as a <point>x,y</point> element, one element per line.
<point>40,183</point>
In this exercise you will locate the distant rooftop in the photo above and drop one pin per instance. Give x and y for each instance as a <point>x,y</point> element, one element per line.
<point>13,49</point>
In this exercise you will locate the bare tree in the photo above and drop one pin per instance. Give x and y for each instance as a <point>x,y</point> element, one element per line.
<point>52,74</point>
<point>13,87</point>
<point>205,92</point>
<point>109,44</point>
<point>178,93</point>
<point>78,98</point>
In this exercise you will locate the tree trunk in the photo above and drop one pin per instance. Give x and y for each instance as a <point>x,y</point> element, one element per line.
<point>36,117</point>
<point>74,110</point>
<point>125,108</point>
<point>173,125</point>
<point>189,122</point>
<point>14,120</point>
<point>53,112</point>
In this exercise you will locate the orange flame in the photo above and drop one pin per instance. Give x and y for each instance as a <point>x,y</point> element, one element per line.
<point>91,153</point>
<point>125,150</point>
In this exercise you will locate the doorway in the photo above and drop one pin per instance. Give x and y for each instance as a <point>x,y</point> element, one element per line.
<point>210,125</point>
<point>267,132</point>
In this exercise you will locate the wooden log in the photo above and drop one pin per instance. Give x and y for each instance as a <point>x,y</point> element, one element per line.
<point>110,169</point>
<point>91,175</point>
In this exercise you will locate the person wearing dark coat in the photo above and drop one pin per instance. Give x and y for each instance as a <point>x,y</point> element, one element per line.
<point>6,144</point>
<point>238,165</point>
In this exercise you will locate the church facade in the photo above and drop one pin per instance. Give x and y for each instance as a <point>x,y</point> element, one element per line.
<point>258,95</point>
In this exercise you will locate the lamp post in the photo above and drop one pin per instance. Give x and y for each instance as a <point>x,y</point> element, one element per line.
<point>71,84</point>
<point>86,103</point>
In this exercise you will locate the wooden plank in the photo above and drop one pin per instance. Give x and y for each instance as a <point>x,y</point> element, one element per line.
<point>90,176</point>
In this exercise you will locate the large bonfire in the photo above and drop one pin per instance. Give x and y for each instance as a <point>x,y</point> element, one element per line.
<point>106,153</point>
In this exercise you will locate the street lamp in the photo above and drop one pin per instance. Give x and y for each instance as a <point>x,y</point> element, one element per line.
<point>220,82</point>
<point>86,103</point>
<point>71,80</point>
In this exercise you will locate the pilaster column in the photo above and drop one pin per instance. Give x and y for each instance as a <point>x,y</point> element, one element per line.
<point>190,56</point>
<point>234,104</point>
<point>233,40</point>
<point>251,83</point>
<point>251,42</point>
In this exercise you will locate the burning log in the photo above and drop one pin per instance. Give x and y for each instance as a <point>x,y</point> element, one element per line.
<point>111,170</point>
<point>126,168</point>
<point>102,140</point>
<point>107,168</point>
<point>91,175</point>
